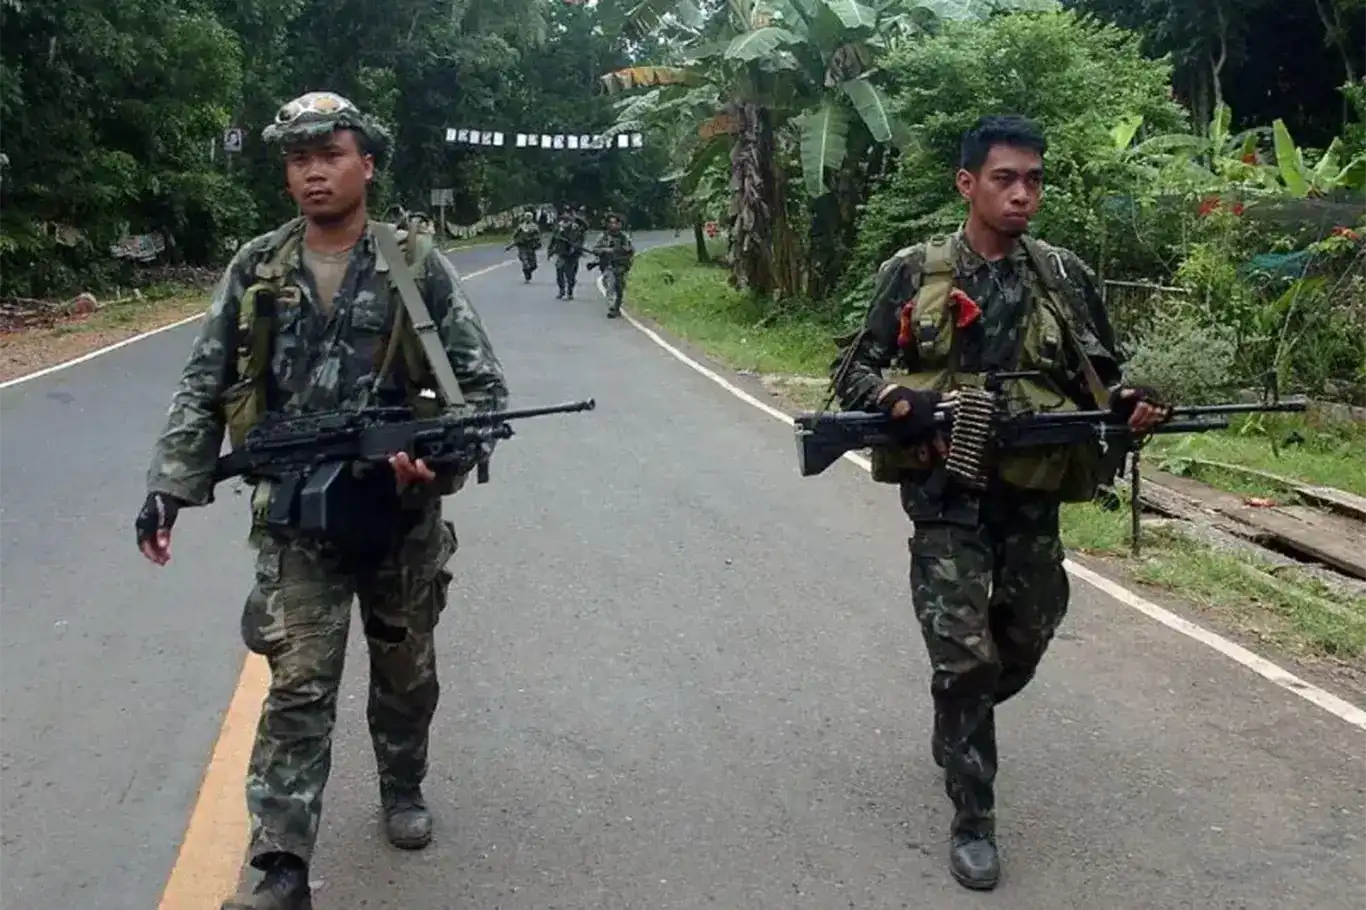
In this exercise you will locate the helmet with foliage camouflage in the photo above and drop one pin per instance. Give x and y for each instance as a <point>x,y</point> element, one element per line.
<point>316,114</point>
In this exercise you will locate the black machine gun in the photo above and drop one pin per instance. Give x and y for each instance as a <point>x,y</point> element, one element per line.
<point>331,469</point>
<point>978,423</point>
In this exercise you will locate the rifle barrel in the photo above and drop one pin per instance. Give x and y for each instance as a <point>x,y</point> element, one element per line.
<point>568,407</point>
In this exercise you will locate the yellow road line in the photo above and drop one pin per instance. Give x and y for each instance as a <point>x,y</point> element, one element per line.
<point>210,860</point>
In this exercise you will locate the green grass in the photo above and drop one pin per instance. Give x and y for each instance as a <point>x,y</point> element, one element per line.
<point>1284,606</point>
<point>1294,446</point>
<point>694,303</point>
<point>498,238</point>
<point>1288,608</point>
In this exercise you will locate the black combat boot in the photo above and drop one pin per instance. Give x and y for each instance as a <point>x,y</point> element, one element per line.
<point>973,859</point>
<point>969,780</point>
<point>283,887</point>
<point>407,822</point>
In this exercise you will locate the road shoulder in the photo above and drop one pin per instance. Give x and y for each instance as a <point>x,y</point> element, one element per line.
<point>1258,630</point>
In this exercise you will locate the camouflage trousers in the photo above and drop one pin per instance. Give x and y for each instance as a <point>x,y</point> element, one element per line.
<point>566,272</point>
<point>298,616</point>
<point>989,598</point>
<point>614,280</point>
<point>526,255</point>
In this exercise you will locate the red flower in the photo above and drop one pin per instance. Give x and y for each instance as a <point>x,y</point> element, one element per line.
<point>1207,205</point>
<point>1343,231</point>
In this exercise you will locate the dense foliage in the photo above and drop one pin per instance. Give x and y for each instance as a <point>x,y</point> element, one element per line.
<point>1208,166</point>
<point>1211,224</point>
<point>114,111</point>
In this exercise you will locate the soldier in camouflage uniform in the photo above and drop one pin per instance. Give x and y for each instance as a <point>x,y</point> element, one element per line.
<point>987,574</point>
<point>527,240</point>
<point>566,245</point>
<point>336,306</point>
<point>615,254</point>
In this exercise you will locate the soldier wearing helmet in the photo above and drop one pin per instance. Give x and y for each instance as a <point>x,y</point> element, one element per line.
<point>615,254</point>
<point>309,317</point>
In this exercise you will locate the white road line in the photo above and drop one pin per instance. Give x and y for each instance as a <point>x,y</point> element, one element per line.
<point>46,371</point>
<point>1261,666</point>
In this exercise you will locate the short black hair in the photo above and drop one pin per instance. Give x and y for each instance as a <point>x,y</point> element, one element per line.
<point>999,129</point>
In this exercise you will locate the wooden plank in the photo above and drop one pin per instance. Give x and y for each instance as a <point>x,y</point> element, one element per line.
<point>1334,541</point>
<point>1272,562</point>
<point>1349,504</point>
<point>1170,502</point>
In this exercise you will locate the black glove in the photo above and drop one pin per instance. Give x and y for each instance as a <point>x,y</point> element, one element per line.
<point>1126,398</point>
<point>918,425</point>
<point>158,514</point>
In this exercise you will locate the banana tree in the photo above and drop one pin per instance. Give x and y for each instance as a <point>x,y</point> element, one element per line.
<point>1325,176</point>
<point>793,80</point>
<point>1221,158</point>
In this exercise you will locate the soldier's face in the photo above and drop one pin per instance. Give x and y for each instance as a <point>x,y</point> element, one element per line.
<point>1005,193</point>
<point>328,177</point>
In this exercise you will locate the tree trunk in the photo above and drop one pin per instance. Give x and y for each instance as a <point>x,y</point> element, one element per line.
<point>1337,36</point>
<point>1217,61</point>
<point>752,202</point>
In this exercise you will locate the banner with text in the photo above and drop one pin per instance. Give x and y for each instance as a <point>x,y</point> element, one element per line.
<point>558,141</point>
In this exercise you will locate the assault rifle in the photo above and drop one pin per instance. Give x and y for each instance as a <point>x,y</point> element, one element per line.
<point>331,469</point>
<point>976,423</point>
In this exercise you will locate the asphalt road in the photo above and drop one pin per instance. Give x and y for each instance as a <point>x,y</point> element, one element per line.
<point>675,675</point>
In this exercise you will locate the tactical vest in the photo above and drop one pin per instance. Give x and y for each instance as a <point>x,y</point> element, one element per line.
<point>929,337</point>
<point>247,400</point>
<point>413,335</point>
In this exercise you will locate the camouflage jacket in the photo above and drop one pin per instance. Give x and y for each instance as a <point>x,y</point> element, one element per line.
<point>1001,289</point>
<point>527,234</point>
<point>618,248</point>
<point>567,238</point>
<point>321,360</point>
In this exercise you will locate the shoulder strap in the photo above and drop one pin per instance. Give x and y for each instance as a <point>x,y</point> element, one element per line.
<point>402,277</point>
<point>939,255</point>
<point>282,245</point>
<point>938,272</point>
<point>1052,294</point>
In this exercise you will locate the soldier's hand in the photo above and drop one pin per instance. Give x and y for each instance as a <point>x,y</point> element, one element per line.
<point>912,412</point>
<point>1141,406</point>
<point>407,471</point>
<point>153,526</point>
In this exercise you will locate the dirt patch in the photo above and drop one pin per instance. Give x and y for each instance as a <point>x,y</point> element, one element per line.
<point>36,346</point>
